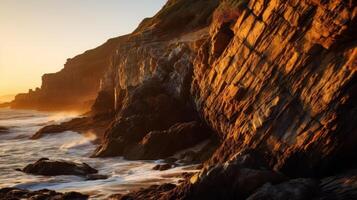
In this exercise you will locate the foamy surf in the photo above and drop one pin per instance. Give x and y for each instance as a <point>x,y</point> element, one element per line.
<point>16,151</point>
<point>85,140</point>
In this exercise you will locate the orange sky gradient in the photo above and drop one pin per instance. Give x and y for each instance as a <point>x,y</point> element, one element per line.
<point>37,36</point>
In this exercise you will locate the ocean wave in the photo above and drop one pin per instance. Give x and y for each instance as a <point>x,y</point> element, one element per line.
<point>87,139</point>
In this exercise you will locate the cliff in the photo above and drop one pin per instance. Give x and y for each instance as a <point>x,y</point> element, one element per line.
<point>75,87</point>
<point>275,81</point>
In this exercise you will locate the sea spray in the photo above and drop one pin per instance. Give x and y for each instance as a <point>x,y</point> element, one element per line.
<point>87,139</point>
<point>17,152</point>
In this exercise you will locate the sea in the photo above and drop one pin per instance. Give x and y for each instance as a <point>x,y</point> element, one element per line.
<point>17,150</point>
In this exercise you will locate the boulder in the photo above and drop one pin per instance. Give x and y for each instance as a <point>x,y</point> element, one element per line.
<point>163,167</point>
<point>47,167</point>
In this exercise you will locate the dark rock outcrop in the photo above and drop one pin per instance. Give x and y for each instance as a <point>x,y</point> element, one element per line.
<point>96,125</point>
<point>339,187</point>
<point>92,177</point>
<point>296,189</point>
<point>47,167</point>
<point>17,194</point>
<point>140,130</point>
<point>163,167</point>
<point>162,144</point>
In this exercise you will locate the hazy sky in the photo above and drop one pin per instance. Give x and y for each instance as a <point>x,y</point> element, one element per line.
<point>37,36</point>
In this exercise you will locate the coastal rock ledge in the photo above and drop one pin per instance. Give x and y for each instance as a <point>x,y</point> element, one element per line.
<point>270,84</point>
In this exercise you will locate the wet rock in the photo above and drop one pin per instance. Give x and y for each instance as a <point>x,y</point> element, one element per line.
<point>17,194</point>
<point>74,196</point>
<point>188,157</point>
<point>161,144</point>
<point>47,167</point>
<point>49,130</point>
<point>339,187</point>
<point>170,160</point>
<point>236,179</point>
<point>296,189</point>
<point>91,177</point>
<point>148,193</point>
<point>230,182</point>
<point>95,124</point>
<point>163,167</point>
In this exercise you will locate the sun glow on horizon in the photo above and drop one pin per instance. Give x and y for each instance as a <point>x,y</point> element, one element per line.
<point>37,36</point>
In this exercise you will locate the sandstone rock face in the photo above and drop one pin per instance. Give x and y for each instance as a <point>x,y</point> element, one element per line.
<point>278,77</point>
<point>285,83</point>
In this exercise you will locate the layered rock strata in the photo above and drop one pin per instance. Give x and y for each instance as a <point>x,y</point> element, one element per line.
<point>274,80</point>
<point>278,77</point>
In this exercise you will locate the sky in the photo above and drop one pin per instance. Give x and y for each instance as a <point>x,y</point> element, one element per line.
<point>37,36</point>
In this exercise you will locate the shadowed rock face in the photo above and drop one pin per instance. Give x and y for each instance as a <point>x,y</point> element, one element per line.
<point>140,130</point>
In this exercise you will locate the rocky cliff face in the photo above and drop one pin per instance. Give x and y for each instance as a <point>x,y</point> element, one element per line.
<point>277,78</point>
<point>274,80</point>
<point>284,83</point>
